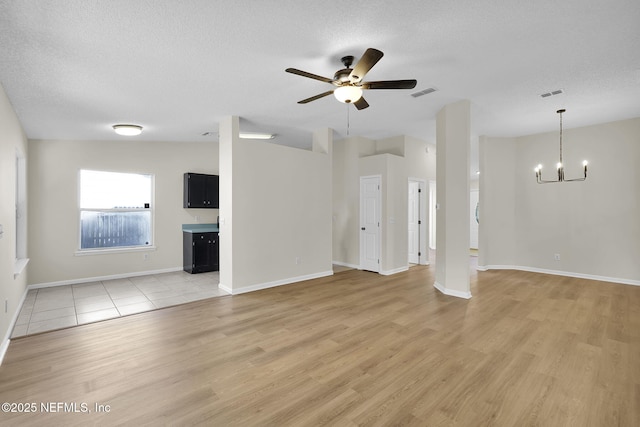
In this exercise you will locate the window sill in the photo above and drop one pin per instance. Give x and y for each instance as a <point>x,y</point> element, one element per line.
<point>84,252</point>
<point>19,266</point>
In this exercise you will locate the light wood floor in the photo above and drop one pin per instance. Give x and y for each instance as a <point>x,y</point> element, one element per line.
<point>353,349</point>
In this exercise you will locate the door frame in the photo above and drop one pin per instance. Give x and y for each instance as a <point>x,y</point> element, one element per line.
<point>379,228</point>
<point>432,214</point>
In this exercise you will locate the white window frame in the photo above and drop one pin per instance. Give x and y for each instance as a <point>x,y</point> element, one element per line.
<point>117,249</point>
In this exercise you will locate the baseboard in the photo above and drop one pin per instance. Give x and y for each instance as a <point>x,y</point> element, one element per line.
<point>273,284</point>
<point>345,264</point>
<point>561,273</point>
<point>7,337</point>
<point>452,292</point>
<point>5,346</point>
<point>100,278</point>
<point>225,288</point>
<point>394,271</point>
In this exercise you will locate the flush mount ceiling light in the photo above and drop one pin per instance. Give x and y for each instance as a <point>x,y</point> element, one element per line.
<point>127,130</point>
<point>559,166</point>
<point>248,135</point>
<point>348,94</point>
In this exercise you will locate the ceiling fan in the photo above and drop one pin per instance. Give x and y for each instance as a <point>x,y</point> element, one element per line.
<point>349,80</point>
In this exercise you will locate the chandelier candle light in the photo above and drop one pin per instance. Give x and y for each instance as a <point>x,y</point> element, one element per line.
<point>559,166</point>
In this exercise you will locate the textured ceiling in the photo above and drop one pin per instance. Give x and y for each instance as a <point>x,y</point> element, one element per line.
<point>73,68</point>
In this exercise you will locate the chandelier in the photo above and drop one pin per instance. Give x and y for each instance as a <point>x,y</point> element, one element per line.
<point>559,166</point>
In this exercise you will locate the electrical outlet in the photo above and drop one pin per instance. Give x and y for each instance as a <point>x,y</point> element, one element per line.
<point>6,306</point>
<point>297,260</point>
<point>556,257</point>
<point>145,257</point>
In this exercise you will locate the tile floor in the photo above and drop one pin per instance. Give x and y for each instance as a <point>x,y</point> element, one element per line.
<point>58,307</point>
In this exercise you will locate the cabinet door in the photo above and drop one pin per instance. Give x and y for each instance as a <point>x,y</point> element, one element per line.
<point>202,252</point>
<point>215,252</point>
<point>212,191</point>
<point>195,190</point>
<point>187,252</point>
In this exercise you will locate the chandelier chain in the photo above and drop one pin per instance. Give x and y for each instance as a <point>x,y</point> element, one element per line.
<point>561,138</point>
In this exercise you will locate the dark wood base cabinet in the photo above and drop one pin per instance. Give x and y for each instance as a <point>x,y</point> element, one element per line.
<point>200,252</point>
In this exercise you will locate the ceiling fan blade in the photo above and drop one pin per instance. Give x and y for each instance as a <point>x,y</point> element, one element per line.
<point>390,84</point>
<point>361,104</point>
<point>311,76</point>
<point>313,98</point>
<point>369,59</point>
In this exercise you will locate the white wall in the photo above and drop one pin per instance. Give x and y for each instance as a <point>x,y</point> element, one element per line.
<point>394,228</point>
<point>421,165</point>
<point>346,198</point>
<point>12,289</point>
<point>593,225</point>
<point>54,218</point>
<point>281,214</point>
<point>497,228</point>
<point>409,158</point>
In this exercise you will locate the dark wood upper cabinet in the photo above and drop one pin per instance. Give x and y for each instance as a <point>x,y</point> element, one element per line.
<point>201,191</point>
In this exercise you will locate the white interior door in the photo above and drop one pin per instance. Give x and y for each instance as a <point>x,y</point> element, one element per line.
<point>370,213</point>
<point>414,222</point>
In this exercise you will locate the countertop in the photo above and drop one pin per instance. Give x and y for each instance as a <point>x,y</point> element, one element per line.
<point>200,228</point>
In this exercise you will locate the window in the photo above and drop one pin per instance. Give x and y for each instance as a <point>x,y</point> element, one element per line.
<point>21,214</point>
<point>115,210</point>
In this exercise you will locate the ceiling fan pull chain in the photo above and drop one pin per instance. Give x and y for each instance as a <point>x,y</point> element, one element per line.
<point>348,123</point>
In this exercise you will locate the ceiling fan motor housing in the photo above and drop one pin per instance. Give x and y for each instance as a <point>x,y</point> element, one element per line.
<point>342,76</point>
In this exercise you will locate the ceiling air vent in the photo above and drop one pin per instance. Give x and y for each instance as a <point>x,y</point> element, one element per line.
<point>423,92</point>
<point>552,93</point>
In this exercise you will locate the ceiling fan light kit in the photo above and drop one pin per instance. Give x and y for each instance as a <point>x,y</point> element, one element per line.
<point>348,81</point>
<point>559,165</point>
<point>127,130</point>
<point>348,94</point>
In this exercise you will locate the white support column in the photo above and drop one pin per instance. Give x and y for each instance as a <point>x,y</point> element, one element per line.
<point>453,141</point>
<point>229,135</point>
